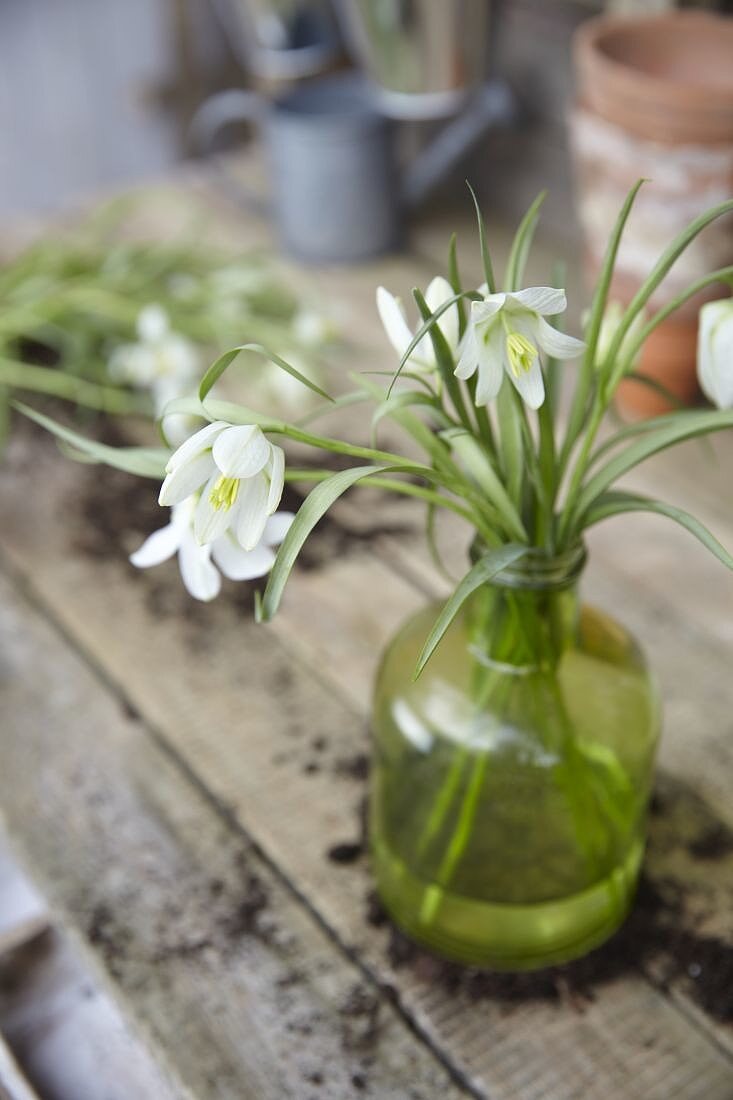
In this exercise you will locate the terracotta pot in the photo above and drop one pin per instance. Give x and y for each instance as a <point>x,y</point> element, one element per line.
<point>655,99</point>
<point>668,78</point>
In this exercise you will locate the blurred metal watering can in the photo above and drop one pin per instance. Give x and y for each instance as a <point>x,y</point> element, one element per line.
<point>336,194</point>
<point>424,57</point>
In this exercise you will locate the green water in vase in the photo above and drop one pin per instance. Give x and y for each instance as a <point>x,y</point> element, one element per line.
<point>511,781</point>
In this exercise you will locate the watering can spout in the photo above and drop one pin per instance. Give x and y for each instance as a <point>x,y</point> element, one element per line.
<point>493,104</point>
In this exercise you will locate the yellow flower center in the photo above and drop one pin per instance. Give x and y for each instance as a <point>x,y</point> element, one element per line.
<point>224,493</point>
<point>521,353</point>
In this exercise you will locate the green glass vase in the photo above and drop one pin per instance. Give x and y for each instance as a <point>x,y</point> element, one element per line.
<point>510,781</point>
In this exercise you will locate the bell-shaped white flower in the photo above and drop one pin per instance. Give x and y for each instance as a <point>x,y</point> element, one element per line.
<point>715,352</point>
<point>399,333</point>
<point>506,334</point>
<point>239,474</point>
<point>160,356</point>
<point>163,362</point>
<point>197,563</point>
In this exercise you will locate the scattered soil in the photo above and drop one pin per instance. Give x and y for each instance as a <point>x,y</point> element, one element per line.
<point>715,843</point>
<point>229,911</point>
<point>353,767</point>
<point>346,852</point>
<point>651,941</point>
<point>359,1014</point>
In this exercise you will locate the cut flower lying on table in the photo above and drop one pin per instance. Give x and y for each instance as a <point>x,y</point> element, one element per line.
<point>494,454</point>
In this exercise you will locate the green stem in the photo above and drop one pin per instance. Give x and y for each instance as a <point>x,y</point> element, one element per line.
<point>26,376</point>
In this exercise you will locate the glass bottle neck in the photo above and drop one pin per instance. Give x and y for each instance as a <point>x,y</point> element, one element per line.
<point>528,614</point>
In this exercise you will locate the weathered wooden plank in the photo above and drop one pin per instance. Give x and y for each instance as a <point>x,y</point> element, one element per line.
<point>229,978</point>
<point>285,771</point>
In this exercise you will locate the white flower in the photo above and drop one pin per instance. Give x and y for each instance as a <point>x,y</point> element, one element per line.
<point>240,475</point>
<point>311,328</point>
<point>198,564</point>
<point>162,362</point>
<point>715,352</point>
<point>506,333</point>
<point>160,356</point>
<point>400,335</point>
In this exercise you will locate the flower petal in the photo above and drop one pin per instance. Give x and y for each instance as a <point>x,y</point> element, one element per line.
<point>557,344</point>
<point>158,547</point>
<point>468,359</point>
<point>715,353</point>
<point>185,479</point>
<point>201,440</point>
<point>438,292</point>
<point>210,522</point>
<point>200,577</point>
<point>152,323</point>
<point>490,366</point>
<point>251,514</point>
<point>241,565</point>
<point>530,384</point>
<point>548,301</point>
<point>241,451</point>
<point>393,319</point>
<point>491,305</point>
<point>276,472</point>
<point>277,528</point>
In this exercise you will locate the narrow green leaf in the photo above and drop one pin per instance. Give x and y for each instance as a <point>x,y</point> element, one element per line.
<point>658,273</point>
<point>678,427</point>
<point>454,278</point>
<point>510,436</point>
<point>406,400</point>
<point>522,244</point>
<point>600,297</point>
<point>483,571</point>
<point>617,503</point>
<point>587,375</point>
<point>15,374</point>
<point>313,508</point>
<point>427,327</point>
<point>655,386</point>
<point>469,451</point>
<point>217,368</point>
<point>143,461</point>
<point>722,275</point>
<point>342,402</point>
<point>485,254</point>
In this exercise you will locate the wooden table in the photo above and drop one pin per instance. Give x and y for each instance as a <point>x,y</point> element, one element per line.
<point>186,789</point>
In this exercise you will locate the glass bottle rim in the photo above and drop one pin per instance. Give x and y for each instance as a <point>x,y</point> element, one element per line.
<point>539,569</point>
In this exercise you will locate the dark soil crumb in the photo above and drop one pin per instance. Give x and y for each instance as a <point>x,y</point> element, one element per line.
<point>360,1019</point>
<point>347,852</point>
<point>243,919</point>
<point>359,1081</point>
<point>652,940</point>
<point>353,767</point>
<point>312,767</point>
<point>714,843</point>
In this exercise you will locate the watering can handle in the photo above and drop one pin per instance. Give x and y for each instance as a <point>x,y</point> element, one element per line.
<point>492,105</point>
<point>214,115</point>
